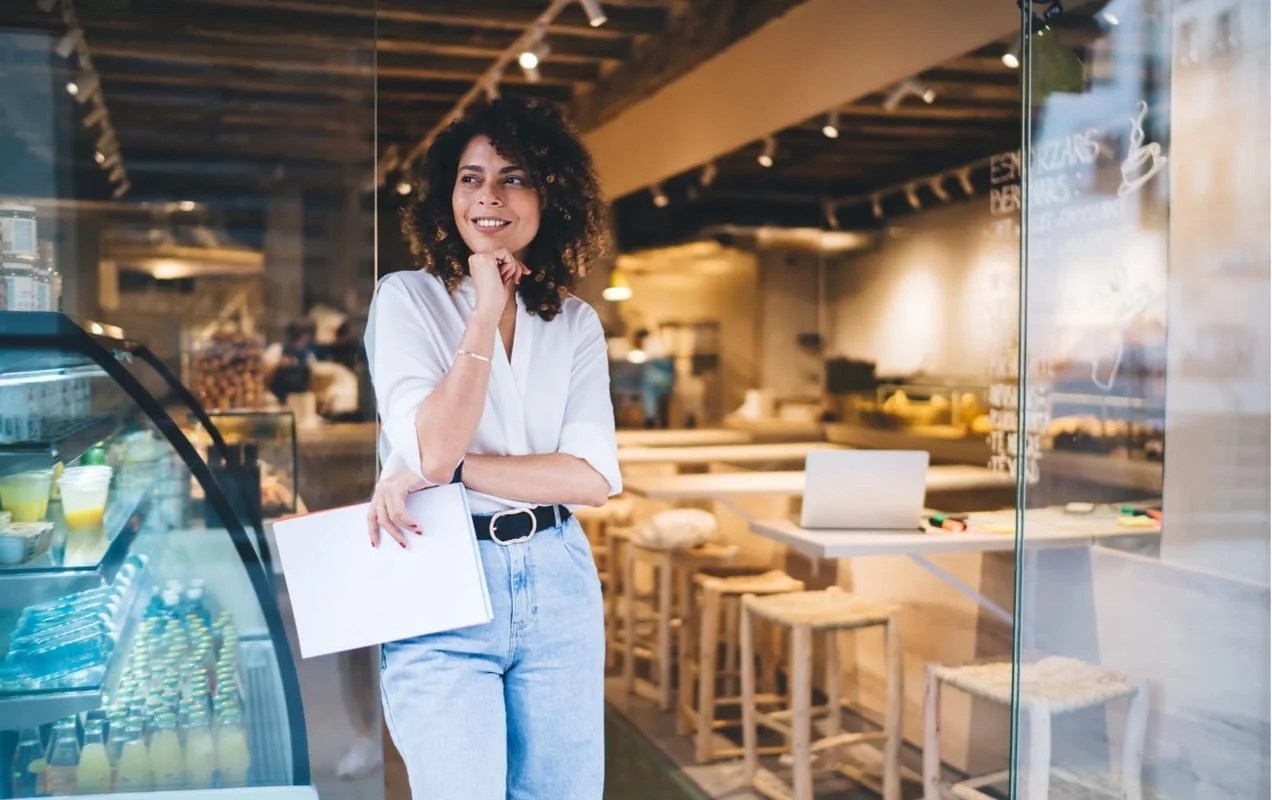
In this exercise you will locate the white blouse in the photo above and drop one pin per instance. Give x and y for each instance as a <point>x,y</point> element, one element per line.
<point>553,396</point>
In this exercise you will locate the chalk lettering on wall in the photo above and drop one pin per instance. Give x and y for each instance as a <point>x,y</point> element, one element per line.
<point>1143,161</point>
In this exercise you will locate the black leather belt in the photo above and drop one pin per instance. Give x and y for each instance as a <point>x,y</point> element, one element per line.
<point>518,524</point>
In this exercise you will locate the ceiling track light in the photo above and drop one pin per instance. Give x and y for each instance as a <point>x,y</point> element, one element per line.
<point>768,153</point>
<point>965,181</point>
<point>108,161</point>
<point>876,206</point>
<point>659,196</point>
<point>1110,19</point>
<point>122,189</point>
<point>831,129</point>
<point>95,116</point>
<point>492,90</point>
<point>595,14</point>
<point>938,189</point>
<point>117,173</point>
<point>533,56</point>
<point>708,174</point>
<point>1011,58</point>
<point>84,88</point>
<point>831,214</point>
<point>908,88</point>
<point>403,187</point>
<point>912,197</point>
<point>70,42</point>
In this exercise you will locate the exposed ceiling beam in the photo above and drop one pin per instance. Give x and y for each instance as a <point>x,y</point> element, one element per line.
<point>784,73</point>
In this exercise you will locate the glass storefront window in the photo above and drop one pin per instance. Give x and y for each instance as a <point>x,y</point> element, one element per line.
<point>1143,382</point>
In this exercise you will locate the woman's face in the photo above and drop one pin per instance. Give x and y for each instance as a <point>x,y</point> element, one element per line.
<point>493,203</point>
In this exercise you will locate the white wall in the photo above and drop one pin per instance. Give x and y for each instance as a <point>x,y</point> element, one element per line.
<point>935,296</point>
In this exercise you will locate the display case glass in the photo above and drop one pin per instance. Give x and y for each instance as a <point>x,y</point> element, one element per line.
<point>1139,393</point>
<point>130,621</point>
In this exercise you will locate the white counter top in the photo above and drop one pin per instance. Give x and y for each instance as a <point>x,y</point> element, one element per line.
<point>729,453</point>
<point>787,483</point>
<point>1046,527</point>
<point>685,437</point>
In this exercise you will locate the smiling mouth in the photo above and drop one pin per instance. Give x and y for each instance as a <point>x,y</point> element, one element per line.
<point>490,224</point>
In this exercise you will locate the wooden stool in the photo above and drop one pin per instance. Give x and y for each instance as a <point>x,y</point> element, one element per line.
<point>596,523</point>
<point>717,596</point>
<point>672,568</point>
<point>615,600</point>
<point>804,613</point>
<point>1053,685</point>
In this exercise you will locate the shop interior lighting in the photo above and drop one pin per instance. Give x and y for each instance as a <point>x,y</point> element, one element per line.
<point>767,154</point>
<point>912,197</point>
<point>84,88</point>
<point>117,173</point>
<point>965,181</point>
<point>831,214</point>
<point>121,190</point>
<point>1011,58</point>
<point>107,141</point>
<point>109,160</point>
<point>876,206</point>
<point>708,174</point>
<point>70,41</point>
<point>1110,19</point>
<point>404,187</point>
<point>938,189</point>
<point>595,14</point>
<point>492,90</point>
<point>533,56</point>
<point>619,289</point>
<point>908,88</point>
<point>99,157</point>
<point>527,42</point>
<point>96,115</point>
<point>831,129</point>
<point>659,196</point>
<point>187,205</point>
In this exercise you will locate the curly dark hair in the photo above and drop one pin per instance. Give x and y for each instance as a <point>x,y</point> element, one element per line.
<point>574,227</point>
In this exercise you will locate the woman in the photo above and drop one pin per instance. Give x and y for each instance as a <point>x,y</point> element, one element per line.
<point>488,371</point>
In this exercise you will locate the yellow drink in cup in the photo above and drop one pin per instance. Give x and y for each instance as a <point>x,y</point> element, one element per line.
<point>84,491</point>
<point>25,495</point>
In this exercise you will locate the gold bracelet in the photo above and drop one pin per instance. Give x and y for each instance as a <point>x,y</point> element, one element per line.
<point>471,354</point>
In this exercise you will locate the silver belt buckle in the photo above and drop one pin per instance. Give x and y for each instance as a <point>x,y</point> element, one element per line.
<point>494,521</point>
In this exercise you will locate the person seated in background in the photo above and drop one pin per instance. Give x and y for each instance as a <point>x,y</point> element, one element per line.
<point>658,377</point>
<point>289,364</point>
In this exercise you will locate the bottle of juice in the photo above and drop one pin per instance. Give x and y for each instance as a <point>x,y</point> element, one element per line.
<point>132,771</point>
<point>28,765</point>
<point>167,761</point>
<point>92,775</point>
<point>62,759</point>
<point>200,751</point>
<point>232,756</point>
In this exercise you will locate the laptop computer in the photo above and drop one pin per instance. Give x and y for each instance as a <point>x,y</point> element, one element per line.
<point>864,489</point>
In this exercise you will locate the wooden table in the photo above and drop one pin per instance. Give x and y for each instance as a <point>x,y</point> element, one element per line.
<point>726,485</point>
<point>683,437</point>
<point>988,531</point>
<point>724,454</point>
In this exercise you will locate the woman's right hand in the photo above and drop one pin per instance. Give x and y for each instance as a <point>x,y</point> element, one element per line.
<point>387,510</point>
<point>492,272</point>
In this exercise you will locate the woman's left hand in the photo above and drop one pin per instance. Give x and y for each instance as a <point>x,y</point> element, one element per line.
<point>388,507</point>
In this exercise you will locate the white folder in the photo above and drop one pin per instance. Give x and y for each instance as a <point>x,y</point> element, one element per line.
<point>346,594</point>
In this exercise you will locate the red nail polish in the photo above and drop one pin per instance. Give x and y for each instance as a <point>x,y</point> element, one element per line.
<point>403,545</point>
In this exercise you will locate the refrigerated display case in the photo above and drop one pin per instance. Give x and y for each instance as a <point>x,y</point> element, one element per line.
<point>125,618</point>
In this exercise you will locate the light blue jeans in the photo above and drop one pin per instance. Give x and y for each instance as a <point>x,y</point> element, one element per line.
<point>513,708</point>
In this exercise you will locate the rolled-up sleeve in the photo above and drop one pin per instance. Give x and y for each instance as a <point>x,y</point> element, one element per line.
<point>406,366</point>
<point>587,431</point>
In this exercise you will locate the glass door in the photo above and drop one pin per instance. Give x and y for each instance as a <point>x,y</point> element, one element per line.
<point>1143,528</point>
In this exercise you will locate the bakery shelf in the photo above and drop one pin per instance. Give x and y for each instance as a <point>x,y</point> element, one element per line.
<point>29,708</point>
<point>42,579</point>
<point>65,445</point>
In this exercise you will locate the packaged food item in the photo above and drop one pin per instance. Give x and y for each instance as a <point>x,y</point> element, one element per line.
<point>228,370</point>
<point>23,541</point>
<point>19,237</point>
<point>20,290</point>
